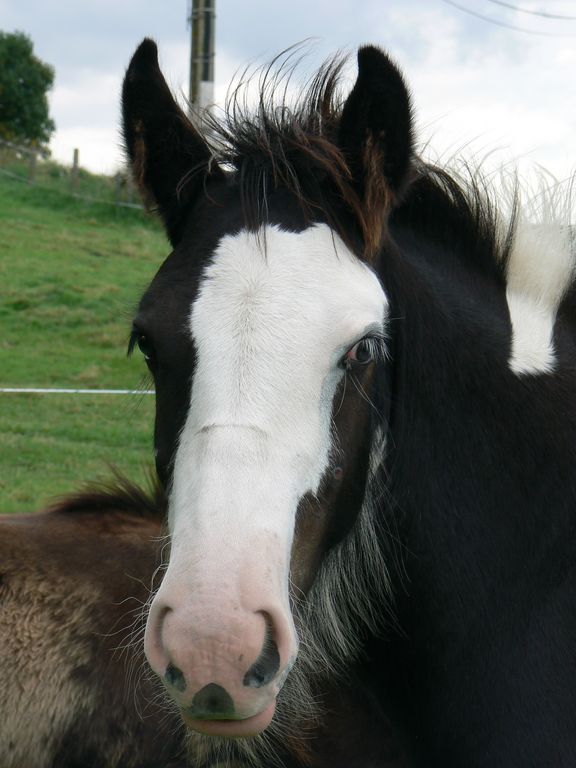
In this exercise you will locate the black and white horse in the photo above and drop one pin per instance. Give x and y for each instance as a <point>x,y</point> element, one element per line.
<point>366,420</point>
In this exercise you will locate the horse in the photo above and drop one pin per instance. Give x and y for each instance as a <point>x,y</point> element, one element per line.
<point>365,423</point>
<point>74,580</point>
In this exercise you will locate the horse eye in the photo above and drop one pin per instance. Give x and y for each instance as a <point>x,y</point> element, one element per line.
<point>145,346</point>
<point>361,353</point>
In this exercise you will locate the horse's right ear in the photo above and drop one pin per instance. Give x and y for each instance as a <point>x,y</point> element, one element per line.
<point>162,144</point>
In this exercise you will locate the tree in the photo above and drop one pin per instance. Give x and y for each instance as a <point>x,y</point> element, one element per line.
<point>24,84</point>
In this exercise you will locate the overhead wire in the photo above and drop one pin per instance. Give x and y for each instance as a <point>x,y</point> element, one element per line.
<point>543,14</point>
<point>499,23</point>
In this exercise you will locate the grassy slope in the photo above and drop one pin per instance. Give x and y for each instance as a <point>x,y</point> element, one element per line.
<point>70,275</point>
<point>56,177</point>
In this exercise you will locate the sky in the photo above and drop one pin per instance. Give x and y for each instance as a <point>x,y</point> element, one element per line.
<point>501,87</point>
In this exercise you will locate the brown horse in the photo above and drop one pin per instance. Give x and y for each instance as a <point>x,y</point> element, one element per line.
<point>73,581</point>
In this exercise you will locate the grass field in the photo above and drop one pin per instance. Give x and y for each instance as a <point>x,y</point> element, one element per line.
<point>70,276</point>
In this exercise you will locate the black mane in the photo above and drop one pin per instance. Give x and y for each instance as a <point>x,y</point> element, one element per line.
<point>285,144</point>
<point>293,145</point>
<point>459,212</point>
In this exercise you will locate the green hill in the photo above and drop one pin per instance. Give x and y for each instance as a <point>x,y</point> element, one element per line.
<point>70,276</point>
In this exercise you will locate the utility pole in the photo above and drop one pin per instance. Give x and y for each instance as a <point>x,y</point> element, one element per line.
<point>201,17</point>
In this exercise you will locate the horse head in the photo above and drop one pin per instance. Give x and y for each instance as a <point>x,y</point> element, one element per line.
<point>263,330</point>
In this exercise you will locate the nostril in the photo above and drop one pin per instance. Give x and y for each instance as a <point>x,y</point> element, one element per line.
<point>174,677</point>
<point>266,666</point>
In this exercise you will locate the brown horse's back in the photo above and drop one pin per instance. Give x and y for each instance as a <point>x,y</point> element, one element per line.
<point>73,581</point>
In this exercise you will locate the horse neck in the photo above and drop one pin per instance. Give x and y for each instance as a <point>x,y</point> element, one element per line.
<point>481,483</point>
<point>476,449</point>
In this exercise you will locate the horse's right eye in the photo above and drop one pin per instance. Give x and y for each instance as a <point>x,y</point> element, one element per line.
<point>145,346</point>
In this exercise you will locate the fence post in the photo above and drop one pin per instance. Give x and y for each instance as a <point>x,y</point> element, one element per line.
<point>117,189</point>
<point>74,172</point>
<point>32,167</point>
<point>129,186</point>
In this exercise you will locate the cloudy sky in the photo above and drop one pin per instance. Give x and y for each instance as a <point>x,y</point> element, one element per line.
<point>503,84</point>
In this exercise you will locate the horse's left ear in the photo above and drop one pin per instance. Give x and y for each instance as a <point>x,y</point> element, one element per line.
<point>375,135</point>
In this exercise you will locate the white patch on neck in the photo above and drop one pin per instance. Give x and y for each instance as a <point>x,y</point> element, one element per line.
<point>540,270</point>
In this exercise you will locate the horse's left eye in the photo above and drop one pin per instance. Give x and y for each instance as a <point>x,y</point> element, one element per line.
<point>362,353</point>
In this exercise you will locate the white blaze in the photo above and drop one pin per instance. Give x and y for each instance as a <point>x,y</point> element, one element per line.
<point>272,319</point>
